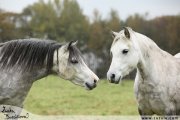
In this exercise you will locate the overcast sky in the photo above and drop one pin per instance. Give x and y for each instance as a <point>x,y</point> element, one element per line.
<point>124,7</point>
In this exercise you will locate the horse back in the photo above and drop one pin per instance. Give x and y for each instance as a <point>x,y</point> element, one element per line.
<point>177,55</point>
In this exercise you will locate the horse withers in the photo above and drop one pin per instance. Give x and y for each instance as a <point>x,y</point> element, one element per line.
<point>22,62</point>
<point>157,82</point>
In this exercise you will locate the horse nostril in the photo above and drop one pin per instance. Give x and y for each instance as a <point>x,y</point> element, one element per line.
<point>112,76</point>
<point>95,81</point>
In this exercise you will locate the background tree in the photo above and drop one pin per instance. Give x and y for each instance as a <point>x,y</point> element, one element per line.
<point>8,26</point>
<point>63,20</point>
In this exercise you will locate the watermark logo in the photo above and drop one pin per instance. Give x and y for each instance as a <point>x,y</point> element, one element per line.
<point>160,118</point>
<point>11,112</point>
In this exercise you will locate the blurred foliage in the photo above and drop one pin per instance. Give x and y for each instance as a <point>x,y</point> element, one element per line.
<point>63,20</point>
<point>8,28</point>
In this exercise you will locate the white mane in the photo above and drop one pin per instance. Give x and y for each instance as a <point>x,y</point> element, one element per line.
<point>145,44</point>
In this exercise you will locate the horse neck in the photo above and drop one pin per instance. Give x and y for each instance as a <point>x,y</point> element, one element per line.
<point>16,74</point>
<point>36,74</point>
<point>152,60</point>
<point>16,84</point>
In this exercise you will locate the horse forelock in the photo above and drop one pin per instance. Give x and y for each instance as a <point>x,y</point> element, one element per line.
<point>28,54</point>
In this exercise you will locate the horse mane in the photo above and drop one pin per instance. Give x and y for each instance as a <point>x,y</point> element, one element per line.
<point>28,54</point>
<point>147,46</point>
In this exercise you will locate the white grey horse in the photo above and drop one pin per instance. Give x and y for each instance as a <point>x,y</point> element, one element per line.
<point>157,82</point>
<point>22,62</point>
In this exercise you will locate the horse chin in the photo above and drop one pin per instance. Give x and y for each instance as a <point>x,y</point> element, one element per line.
<point>86,85</point>
<point>118,81</point>
<point>77,83</point>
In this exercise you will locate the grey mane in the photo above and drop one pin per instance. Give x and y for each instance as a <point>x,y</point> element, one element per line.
<point>32,53</point>
<point>28,54</point>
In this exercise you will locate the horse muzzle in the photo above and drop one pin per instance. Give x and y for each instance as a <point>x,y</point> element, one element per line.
<point>90,86</point>
<point>112,79</point>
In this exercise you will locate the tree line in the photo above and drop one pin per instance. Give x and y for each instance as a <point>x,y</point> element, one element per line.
<point>63,20</point>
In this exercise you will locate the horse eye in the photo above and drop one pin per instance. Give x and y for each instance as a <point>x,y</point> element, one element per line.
<point>74,61</point>
<point>125,51</point>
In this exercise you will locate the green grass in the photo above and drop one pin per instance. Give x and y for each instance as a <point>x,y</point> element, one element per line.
<point>55,96</point>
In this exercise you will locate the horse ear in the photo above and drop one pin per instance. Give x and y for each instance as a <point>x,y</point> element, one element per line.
<point>114,34</point>
<point>72,43</point>
<point>126,32</point>
<point>69,45</point>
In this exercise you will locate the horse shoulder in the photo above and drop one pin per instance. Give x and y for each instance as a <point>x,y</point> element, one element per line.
<point>149,95</point>
<point>14,87</point>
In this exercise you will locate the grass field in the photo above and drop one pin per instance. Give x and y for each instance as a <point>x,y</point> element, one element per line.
<point>54,96</point>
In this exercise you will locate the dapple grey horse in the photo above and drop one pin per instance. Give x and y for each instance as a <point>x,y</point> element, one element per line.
<point>157,82</point>
<point>22,62</point>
